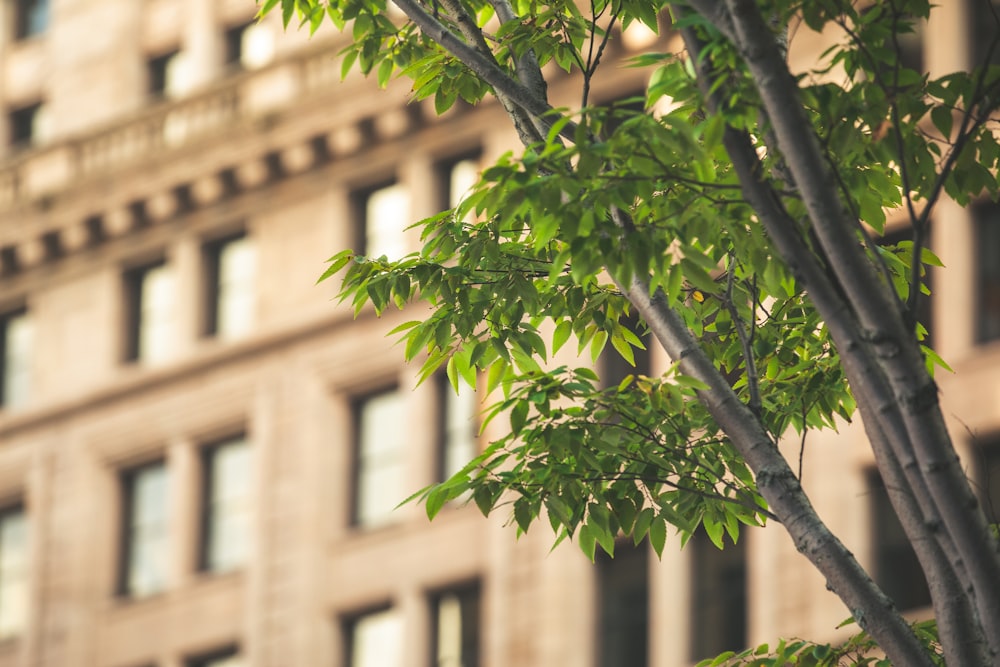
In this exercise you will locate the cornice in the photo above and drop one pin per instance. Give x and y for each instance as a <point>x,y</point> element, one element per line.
<point>240,135</point>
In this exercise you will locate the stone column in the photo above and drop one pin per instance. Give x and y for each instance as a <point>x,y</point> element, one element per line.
<point>183,493</point>
<point>186,264</point>
<point>203,43</point>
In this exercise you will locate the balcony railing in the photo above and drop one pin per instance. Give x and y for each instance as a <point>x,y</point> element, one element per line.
<point>168,126</point>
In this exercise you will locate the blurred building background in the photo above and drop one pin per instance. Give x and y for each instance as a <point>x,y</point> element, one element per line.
<point>200,452</point>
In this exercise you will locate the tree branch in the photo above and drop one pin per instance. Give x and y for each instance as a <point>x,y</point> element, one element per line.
<point>869,386</point>
<point>897,352</point>
<point>486,68</point>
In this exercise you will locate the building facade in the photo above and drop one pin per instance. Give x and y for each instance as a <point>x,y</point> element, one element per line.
<point>201,452</point>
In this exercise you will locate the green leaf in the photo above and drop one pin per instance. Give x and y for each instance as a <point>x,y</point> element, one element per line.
<point>943,120</point>
<point>587,541</point>
<point>643,520</point>
<point>518,416</point>
<point>561,334</point>
<point>714,530</point>
<point>623,349</point>
<point>658,536</point>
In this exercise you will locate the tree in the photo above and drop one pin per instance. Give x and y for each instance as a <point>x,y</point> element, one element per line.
<point>738,227</point>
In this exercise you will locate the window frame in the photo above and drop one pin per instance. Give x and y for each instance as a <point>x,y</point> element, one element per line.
<point>213,250</point>
<point>464,591</point>
<point>8,510</point>
<point>709,567</point>
<point>25,14</point>
<point>232,38</point>
<point>158,73</point>
<point>349,623</point>
<point>443,170</point>
<point>6,317</point>
<point>986,452</point>
<point>979,32</point>
<point>622,568</point>
<point>209,658</point>
<point>206,515</point>
<point>360,199</point>
<point>357,468</point>
<point>126,538</point>
<point>445,443</point>
<point>133,278</point>
<point>986,330</point>
<point>612,367</point>
<point>888,558</point>
<point>21,121</point>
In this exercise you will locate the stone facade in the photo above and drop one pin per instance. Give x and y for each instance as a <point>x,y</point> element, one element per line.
<point>116,180</point>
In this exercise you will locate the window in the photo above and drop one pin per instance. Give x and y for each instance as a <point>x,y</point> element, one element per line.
<point>385,215</point>
<point>612,366</point>
<point>15,358</point>
<point>719,596</point>
<point>31,17</point>
<point>249,46</point>
<point>234,44</point>
<point>456,177</point>
<point>989,479</point>
<point>459,426</point>
<point>896,568</point>
<point>227,657</point>
<point>985,17</point>
<point>623,603</point>
<point>455,620</point>
<point>379,457</point>
<point>149,313</point>
<point>13,571</point>
<point>230,267</point>
<point>169,75</point>
<point>144,531</point>
<point>29,125</point>
<point>226,505</point>
<point>375,639</point>
<point>987,229</point>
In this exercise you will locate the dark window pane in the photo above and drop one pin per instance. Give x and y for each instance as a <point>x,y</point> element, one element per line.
<point>719,596</point>
<point>989,480</point>
<point>31,17</point>
<point>623,604</point>
<point>234,45</point>
<point>227,657</point>
<point>896,568</point>
<point>613,368</point>
<point>985,17</point>
<point>167,75</point>
<point>987,226</point>
<point>25,125</point>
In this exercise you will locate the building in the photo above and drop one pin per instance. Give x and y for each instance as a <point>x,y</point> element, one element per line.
<point>196,442</point>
